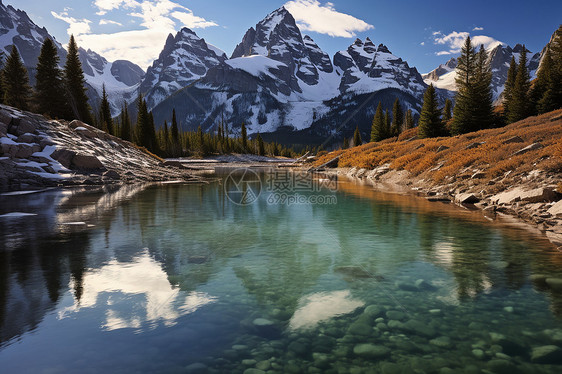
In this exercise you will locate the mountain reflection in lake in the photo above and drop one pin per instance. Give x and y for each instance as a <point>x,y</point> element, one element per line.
<point>177,278</point>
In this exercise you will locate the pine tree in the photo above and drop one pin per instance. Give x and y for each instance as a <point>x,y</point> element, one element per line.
<point>152,143</point>
<point>174,133</point>
<point>244,137</point>
<point>166,144</point>
<point>105,113</point>
<point>357,137</point>
<point>15,81</point>
<point>387,124</point>
<point>397,118</point>
<point>142,127</point>
<point>556,54</point>
<point>49,88</point>
<point>463,112</point>
<point>483,116</point>
<point>345,144</point>
<point>519,105</point>
<point>430,124</point>
<point>125,124</point>
<point>409,121</point>
<point>447,110</point>
<point>261,147</point>
<point>508,87</point>
<point>378,127</point>
<point>545,88</point>
<point>75,84</point>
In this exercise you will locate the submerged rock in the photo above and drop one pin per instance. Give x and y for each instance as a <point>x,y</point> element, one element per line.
<point>546,354</point>
<point>371,350</point>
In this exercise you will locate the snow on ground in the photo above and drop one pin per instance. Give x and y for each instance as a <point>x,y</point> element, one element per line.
<point>446,81</point>
<point>256,65</point>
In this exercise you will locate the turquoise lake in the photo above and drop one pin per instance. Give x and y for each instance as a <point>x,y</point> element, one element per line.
<point>179,278</point>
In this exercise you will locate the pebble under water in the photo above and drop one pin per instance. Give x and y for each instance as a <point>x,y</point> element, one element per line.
<point>178,279</point>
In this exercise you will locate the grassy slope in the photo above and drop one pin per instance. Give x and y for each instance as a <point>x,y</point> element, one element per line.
<point>494,158</point>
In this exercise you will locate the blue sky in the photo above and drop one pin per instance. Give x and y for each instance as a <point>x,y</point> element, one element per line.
<point>424,33</point>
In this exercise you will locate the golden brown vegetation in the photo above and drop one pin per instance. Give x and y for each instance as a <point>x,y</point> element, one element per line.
<point>441,159</point>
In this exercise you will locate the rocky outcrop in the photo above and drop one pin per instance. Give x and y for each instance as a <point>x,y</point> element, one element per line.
<point>36,152</point>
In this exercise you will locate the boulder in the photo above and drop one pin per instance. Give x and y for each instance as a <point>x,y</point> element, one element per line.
<point>112,174</point>
<point>466,198</point>
<point>26,138</point>
<point>22,150</point>
<point>537,195</point>
<point>64,156</point>
<point>546,354</point>
<point>25,126</point>
<point>556,209</point>
<point>76,123</point>
<point>371,350</point>
<point>513,139</point>
<point>87,162</point>
<point>555,284</point>
<point>528,148</point>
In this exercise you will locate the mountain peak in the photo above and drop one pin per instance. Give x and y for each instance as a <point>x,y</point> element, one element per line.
<point>383,49</point>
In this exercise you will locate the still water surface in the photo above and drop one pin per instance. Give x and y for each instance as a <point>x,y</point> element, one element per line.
<point>176,278</point>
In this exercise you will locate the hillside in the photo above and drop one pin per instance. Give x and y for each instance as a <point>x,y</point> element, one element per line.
<point>514,169</point>
<point>36,152</point>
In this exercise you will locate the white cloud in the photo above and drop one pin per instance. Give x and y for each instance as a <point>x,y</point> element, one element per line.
<point>311,15</point>
<point>455,40</point>
<point>477,28</point>
<point>158,18</point>
<point>109,22</point>
<point>76,27</point>
<point>422,43</point>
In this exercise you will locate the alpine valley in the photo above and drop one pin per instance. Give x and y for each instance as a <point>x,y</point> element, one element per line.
<point>277,81</point>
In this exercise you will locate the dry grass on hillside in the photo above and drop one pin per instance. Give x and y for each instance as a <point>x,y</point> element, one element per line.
<point>493,157</point>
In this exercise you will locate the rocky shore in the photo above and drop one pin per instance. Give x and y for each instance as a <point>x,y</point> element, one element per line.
<point>36,152</point>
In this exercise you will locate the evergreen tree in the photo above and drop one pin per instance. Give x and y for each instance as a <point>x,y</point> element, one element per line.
<point>105,113</point>
<point>2,58</point>
<point>125,124</point>
<point>447,110</point>
<point>387,124</point>
<point>397,118</point>
<point>357,137</point>
<point>261,147</point>
<point>152,144</point>
<point>509,85</point>
<point>142,127</point>
<point>430,124</point>
<point>49,89</point>
<point>482,97</point>
<point>75,84</point>
<point>166,144</point>
<point>378,127</point>
<point>519,105</point>
<point>345,144</point>
<point>546,86</point>
<point>556,54</point>
<point>409,121</point>
<point>175,136</point>
<point>463,112</point>
<point>15,81</point>
<point>244,138</point>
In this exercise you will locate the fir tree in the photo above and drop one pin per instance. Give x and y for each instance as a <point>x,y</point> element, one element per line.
<point>397,118</point>
<point>175,137</point>
<point>105,113</point>
<point>519,105</point>
<point>125,124</point>
<point>166,144</point>
<point>142,127</point>
<point>430,124</point>
<point>15,81</point>
<point>261,147</point>
<point>483,116</point>
<point>378,127</point>
<point>49,88</point>
<point>345,144</point>
<point>447,110</point>
<point>509,85</point>
<point>244,137</point>
<point>545,88</point>
<point>75,84</point>
<point>357,137</point>
<point>387,124</point>
<point>463,120</point>
<point>409,121</point>
<point>2,58</point>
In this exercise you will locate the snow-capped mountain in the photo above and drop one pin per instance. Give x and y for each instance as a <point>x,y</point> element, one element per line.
<point>278,80</point>
<point>499,58</point>
<point>121,78</point>
<point>366,68</point>
<point>185,59</point>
